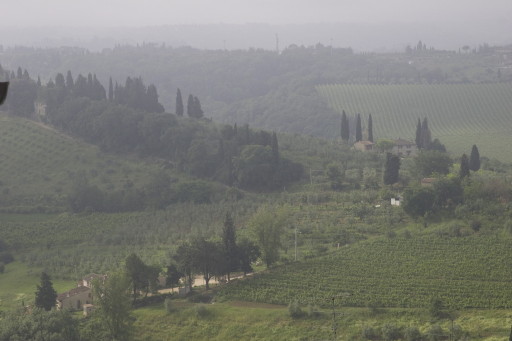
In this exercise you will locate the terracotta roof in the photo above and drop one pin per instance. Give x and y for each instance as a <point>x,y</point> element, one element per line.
<point>72,292</point>
<point>402,142</point>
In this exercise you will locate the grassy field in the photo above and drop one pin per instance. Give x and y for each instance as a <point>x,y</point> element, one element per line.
<point>238,320</point>
<point>460,115</point>
<point>18,285</point>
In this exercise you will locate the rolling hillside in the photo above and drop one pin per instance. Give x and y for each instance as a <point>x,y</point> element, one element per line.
<point>460,115</point>
<point>38,166</point>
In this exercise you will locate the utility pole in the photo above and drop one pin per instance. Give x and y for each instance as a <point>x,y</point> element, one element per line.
<point>295,243</point>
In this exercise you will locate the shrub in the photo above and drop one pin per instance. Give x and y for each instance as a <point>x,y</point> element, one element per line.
<point>476,225</point>
<point>201,311</point>
<point>369,333</point>
<point>412,334</point>
<point>390,332</point>
<point>313,311</point>
<point>436,308</point>
<point>435,333</point>
<point>169,308</point>
<point>294,309</point>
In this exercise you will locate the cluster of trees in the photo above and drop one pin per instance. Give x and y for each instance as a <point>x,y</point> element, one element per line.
<point>357,133</point>
<point>424,138</point>
<point>134,94</point>
<point>469,164</point>
<point>211,257</point>
<point>22,92</point>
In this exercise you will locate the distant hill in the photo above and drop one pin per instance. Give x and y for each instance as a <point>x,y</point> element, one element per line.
<point>460,115</point>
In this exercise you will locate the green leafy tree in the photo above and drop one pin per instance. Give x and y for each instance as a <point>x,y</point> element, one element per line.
<point>359,129</point>
<point>428,162</point>
<point>136,273</point>
<point>113,305</point>
<point>173,276</point>
<point>267,227</point>
<point>334,175</point>
<point>207,259</point>
<point>464,166</point>
<point>345,130</point>
<point>184,258</point>
<point>248,253</point>
<point>391,169</point>
<point>474,159</point>
<point>418,201</point>
<point>179,103</point>
<point>46,296</point>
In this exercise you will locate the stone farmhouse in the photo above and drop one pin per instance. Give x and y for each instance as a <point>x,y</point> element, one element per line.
<point>80,297</point>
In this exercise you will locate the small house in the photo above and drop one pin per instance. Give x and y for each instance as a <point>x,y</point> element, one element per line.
<point>404,148</point>
<point>75,298</point>
<point>364,146</point>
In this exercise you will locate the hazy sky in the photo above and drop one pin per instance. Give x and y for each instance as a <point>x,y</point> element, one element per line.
<point>21,13</point>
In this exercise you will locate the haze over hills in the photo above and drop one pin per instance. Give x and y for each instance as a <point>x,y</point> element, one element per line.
<point>373,37</point>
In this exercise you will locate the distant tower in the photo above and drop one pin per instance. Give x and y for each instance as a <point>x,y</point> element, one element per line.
<point>277,44</point>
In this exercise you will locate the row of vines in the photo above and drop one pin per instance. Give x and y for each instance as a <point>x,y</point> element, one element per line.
<point>400,272</point>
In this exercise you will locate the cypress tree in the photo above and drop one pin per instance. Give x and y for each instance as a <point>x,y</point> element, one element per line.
<point>359,132</point>
<point>474,159</point>
<point>45,295</point>
<point>110,90</point>
<point>69,81</point>
<point>418,135</point>
<point>190,106</point>
<point>370,128</point>
<point>229,243</point>
<point>464,166</point>
<point>179,103</point>
<point>426,138</point>
<point>38,81</point>
<point>198,111</point>
<point>345,131</point>
<point>391,169</point>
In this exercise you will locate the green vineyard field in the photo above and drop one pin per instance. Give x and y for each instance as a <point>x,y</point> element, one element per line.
<point>460,115</point>
<point>463,272</point>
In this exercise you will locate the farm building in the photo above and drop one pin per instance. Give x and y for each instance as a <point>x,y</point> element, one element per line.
<point>364,146</point>
<point>404,148</point>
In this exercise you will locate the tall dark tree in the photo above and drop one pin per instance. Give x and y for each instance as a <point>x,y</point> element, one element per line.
<point>110,90</point>
<point>179,103</point>
<point>45,295</point>
<point>359,129</point>
<point>190,106</point>
<point>60,82</point>
<point>198,111</point>
<point>184,258</point>
<point>391,169</point>
<point>229,244</point>
<point>275,148</point>
<point>474,159</point>
<point>345,130</point>
<point>418,135</point>
<point>69,81</point>
<point>464,166</point>
<point>426,137</point>
<point>370,128</point>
